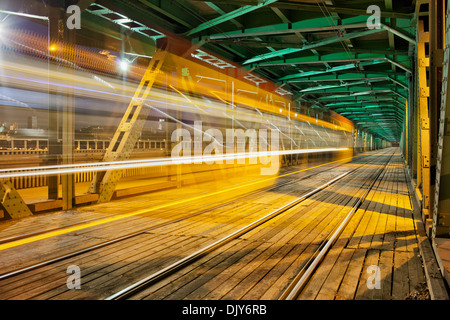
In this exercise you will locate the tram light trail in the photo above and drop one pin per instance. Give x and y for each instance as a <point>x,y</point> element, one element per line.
<point>120,165</point>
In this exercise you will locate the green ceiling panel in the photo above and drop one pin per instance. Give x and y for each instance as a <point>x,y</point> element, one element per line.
<point>321,52</point>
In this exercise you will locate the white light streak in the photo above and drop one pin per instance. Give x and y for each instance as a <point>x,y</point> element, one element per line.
<point>120,165</point>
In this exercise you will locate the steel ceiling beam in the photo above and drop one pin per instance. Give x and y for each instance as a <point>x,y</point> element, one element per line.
<point>316,44</point>
<point>228,16</point>
<point>294,5</point>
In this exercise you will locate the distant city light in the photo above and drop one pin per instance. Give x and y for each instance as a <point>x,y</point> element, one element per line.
<point>124,65</point>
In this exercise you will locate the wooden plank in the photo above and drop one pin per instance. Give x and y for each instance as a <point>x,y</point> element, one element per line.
<point>383,207</point>
<point>214,284</point>
<point>386,268</point>
<point>85,198</point>
<point>249,281</point>
<point>411,236</point>
<point>400,282</point>
<point>363,292</point>
<point>45,205</point>
<point>51,278</point>
<point>349,284</point>
<point>271,287</point>
<point>331,285</point>
<point>363,223</point>
<point>206,267</point>
<point>416,274</point>
<point>391,211</point>
<point>111,278</point>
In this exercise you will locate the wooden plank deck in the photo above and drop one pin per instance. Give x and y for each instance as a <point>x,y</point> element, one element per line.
<point>258,265</point>
<point>382,233</point>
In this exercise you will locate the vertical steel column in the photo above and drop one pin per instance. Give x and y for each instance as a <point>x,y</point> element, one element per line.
<point>424,93</point>
<point>68,125</point>
<point>127,134</point>
<point>436,20</point>
<point>406,134</point>
<point>410,121</point>
<point>441,217</point>
<point>56,25</point>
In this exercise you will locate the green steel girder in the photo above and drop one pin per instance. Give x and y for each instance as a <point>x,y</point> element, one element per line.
<point>312,25</point>
<point>357,98</point>
<point>321,88</point>
<point>316,44</point>
<point>331,70</point>
<point>357,88</point>
<point>309,25</point>
<point>352,76</point>
<point>365,94</point>
<point>294,5</point>
<point>344,67</point>
<point>368,104</point>
<point>340,57</point>
<point>273,38</point>
<point>228,16</point>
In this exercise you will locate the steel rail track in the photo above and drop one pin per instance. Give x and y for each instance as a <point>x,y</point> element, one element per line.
<point>305,274</point>
<point>32,234</point>
<point>140,232</point>
<point>163,273</point>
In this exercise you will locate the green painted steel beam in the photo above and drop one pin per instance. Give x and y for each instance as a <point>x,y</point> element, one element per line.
<point>357,98</point>
<point>316,44</point>
<point>342,85</point>
<point>353,88</point>
<point>222,12</point>
<point>369,92</point>
<point>228,16</point>
<point>351,76</point>
<point>341,68</point>
<point>339,57</point>
<point>307,25</point>
<point>367,104</point>
<point>312,25</point>
<point>333,69</point>
<point>399,33</point>
<point>294,5</point>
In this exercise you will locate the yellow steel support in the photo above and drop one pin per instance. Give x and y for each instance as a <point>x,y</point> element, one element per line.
<point>12,202</point>
<point>406,142</point>
<point>424,123</point>
<point>128,131</point>
<point>365,141</point>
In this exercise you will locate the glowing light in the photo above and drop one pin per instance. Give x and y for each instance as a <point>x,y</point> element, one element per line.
<point>53,47</point>
<point>124,65</point>
<point>281,110</point>
<point>24,15</point>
